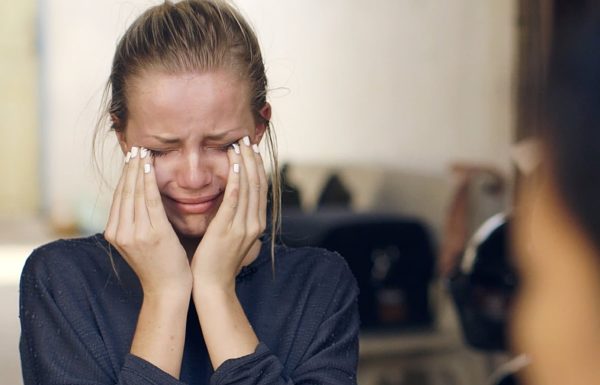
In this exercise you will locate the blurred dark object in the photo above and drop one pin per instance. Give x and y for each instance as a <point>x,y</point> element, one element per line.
<point>509,380</point>
<point>290,195</point>
<point>483,286</point>
<point>334,194</point>
<point>391,257</point>
<point>541,23</point>
<point>534,41</point>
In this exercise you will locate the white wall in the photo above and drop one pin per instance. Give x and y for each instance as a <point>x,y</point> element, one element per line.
<point>402,82</point>
<point>406,84</point>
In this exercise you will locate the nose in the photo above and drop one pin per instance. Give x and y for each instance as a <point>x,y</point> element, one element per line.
<point>195,171</point>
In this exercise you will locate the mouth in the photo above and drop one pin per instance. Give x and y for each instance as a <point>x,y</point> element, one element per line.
<point>200,205</point>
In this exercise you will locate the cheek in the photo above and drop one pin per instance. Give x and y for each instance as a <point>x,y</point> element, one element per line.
<point>163,173</point>
<point>221,168</point>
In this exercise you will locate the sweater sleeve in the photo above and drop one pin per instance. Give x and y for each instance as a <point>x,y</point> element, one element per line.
<point>330,359</point>
<point>60,341</point>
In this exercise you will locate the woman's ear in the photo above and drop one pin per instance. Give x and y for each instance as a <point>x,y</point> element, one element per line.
<point>120,132</point>
<point>261,127</point>
<point>122,141</point>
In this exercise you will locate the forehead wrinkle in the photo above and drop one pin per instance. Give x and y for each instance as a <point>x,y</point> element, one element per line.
<point>155,85</point>
<point>190,103</point>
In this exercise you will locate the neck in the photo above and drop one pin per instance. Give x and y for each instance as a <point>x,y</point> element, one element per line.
<point>191,244</point>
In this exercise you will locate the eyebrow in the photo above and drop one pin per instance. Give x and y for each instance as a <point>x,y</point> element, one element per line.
<point>166,140</point>
<point>174,140</point>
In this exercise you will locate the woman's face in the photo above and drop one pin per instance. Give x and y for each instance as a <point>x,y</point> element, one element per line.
<point>189,121</point>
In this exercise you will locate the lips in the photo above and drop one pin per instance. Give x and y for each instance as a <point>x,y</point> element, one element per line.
<point>199,205</point>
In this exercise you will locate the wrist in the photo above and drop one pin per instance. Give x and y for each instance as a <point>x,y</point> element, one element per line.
<point>166,305</point>
<point>203,291</point>
<point>225,327</point>
<point>213,283</point>
<point>168,293</point>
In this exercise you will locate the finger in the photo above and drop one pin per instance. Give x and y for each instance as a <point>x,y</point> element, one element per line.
<point>241,214</point>
<point>156,210</point>
<point>140,217</point>
<point>264,189</point>
<point>229,207</point>
<point>113,216</point>
<point>249,157</point>
<point>126,210</point>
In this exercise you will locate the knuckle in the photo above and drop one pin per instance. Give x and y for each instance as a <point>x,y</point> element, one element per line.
<point>254,231</point>
<point>109,235</point>
<point>122,241</point>
<point>253,227</point>
<point>145,240</point>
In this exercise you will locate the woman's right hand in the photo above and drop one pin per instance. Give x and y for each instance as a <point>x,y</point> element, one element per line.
<point>139,229</point>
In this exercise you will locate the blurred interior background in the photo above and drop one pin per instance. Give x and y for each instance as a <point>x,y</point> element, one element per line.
<point>381,109</point>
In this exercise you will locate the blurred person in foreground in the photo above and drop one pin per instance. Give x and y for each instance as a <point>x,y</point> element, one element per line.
<point>557,228</point>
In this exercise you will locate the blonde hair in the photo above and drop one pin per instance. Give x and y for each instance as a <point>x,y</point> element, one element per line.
<point>192,36</point>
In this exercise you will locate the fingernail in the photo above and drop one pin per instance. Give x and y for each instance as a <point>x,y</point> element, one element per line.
<point>147,168</point>
<point>236,148</point>
<point>255,148</point>
<point>127,157</point>
<point>134,152</point>
<point>246,140</point>
<point>236,168</point>
<point>143,153</point>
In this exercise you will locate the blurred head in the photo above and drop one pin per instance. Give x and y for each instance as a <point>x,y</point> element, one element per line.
<point>187,80</point>
<point>557,236</point>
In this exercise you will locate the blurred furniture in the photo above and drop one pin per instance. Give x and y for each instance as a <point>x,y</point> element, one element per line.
<point>391,257</point>
<point>418,358</point>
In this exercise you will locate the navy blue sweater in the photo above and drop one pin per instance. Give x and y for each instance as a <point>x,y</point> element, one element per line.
<point>78,320</point>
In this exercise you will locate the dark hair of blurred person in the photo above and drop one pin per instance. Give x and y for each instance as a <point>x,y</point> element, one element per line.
<point>557,232</point>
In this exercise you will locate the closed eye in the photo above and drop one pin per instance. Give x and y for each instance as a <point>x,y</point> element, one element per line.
<point>225,147</point>
<point>157,153</point>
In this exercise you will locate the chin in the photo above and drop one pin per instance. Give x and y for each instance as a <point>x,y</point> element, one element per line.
<point>191,226</point>
<point>190,230</point>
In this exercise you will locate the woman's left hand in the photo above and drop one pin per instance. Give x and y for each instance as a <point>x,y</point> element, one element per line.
<point>239,221</point>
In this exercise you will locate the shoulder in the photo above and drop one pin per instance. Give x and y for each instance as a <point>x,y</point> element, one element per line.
<point>312,256</point>
<point>66,258</point>
<point>313,264</point>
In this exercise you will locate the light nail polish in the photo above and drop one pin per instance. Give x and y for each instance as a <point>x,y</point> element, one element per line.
<point>236,168</point>
<point>134,152</point>
<point>246,140</point>
<point>255,148</point>
<point>147,168</point>
<point>143,153</point>
<point>127,157</point>
<point>236,148</point>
